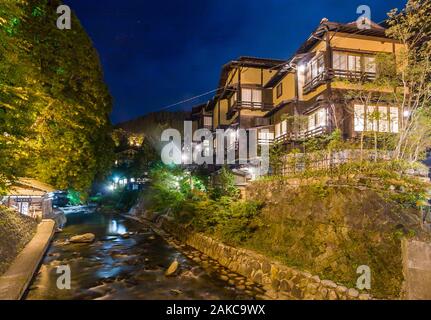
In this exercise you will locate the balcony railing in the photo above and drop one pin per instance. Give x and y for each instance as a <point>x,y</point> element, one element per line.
<point>297,136</point>
<point>249,105</point>
<point>354,75</point>
<point>262,141</point>
<point>315,82</point>
<point>338,73</point>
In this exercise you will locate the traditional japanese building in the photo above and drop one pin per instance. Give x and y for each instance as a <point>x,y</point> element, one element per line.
<point>320,89</point>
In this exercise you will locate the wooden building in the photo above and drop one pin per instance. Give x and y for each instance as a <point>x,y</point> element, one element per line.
<point>312,93</point>
<point>30,197</point>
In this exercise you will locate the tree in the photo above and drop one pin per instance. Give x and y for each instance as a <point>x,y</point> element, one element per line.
<point>371,93</point>
<point>54,103</point>
<point>412,27</point>
<point>276,154</point>
<point>225,185</point>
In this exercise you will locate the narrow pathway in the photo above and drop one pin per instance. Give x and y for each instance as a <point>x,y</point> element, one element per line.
<point>14,282</point>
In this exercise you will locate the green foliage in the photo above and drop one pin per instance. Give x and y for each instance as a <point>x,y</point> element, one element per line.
<point>240,222</point>
<point>37,12</point>
<point>336,142</point>
<point>171,187</point>
<point>55,105</point>
<point>410,27</point>
<point>382,176</point>
<point>166,191</point>
<point>276,154</point>
<point>230,220</point>
<point>225,185</point>
<point>219,212</point>
<point>74,197</point>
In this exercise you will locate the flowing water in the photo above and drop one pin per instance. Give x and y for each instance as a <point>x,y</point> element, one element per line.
<point>114,267</point>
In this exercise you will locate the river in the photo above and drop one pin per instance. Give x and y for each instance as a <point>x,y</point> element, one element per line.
<point>114,267</point>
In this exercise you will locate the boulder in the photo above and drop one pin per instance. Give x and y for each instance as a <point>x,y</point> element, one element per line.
<point>83,238</point>
<point>172,268</point>
<point>176,292</point>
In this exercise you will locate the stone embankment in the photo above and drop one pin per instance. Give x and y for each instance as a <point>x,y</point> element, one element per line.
<point>278,281</point>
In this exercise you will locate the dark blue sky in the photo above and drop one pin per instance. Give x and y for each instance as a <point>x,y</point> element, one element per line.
<point>159,52</point>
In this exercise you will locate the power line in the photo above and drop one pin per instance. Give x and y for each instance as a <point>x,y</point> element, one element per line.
<point>190,99</point>
<point>275,67</point>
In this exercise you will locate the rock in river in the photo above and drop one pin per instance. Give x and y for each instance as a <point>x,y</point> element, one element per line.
<point>172,268</point>
<point>83,238</point>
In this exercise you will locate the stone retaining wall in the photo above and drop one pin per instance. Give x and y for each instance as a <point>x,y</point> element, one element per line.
<point>417,269</point>
<point>279,281</point>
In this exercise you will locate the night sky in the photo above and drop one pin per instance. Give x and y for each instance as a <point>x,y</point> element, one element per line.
<point>156,53</point>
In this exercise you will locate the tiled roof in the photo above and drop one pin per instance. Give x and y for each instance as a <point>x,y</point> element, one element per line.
<point>351,27</point>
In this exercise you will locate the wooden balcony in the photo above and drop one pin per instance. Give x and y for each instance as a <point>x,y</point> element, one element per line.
<point>298,136</point>
<point>338,73</point>
<point>249,105</point>
<point>315,82</point>
<point>353,75</point>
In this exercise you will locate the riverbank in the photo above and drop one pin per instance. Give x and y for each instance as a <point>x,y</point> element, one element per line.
<point>15,281</point>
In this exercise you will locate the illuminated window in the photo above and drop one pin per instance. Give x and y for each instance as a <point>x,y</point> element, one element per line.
<point>373,118</point>
<point>206,147</point>
<point>233,99</point>
<point>340,61</point>
<point>252,96</point>
<point>314,68</point>
<point>321,117</point>
<point>383,119</point>
<point>283,127</point>
<point>278,130</point>
<point>265,137</point>
<point>312,122</point>
<point>394,119</point>
<point>359,117</point>
<point>208,121</point>
<point>317,119</point>
<point>246,95</point>
<point>257,96</point>
<point>370,64</point>
<point>352,62</point>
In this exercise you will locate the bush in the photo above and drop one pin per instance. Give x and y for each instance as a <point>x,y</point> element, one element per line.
<point>231,221</point>
<point>240,222</point>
